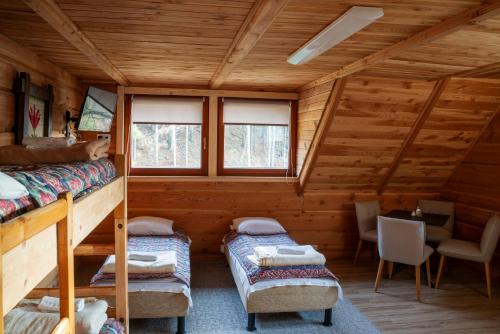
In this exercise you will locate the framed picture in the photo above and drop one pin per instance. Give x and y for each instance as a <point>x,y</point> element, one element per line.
<point>33,108</point>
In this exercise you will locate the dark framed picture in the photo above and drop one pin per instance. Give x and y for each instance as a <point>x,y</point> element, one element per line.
<point>33,108</point>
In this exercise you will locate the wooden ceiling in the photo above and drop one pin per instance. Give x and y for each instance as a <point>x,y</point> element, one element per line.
<point>393,134</point>
<point>184,42</point>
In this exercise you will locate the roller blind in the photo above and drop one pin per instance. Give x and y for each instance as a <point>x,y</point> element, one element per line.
<point>167,110</point>
<point>237,111</point>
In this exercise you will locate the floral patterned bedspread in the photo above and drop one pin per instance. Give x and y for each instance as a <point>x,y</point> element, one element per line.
<point>178,242</point>
<point>46,182</point>
<point>242,245</point>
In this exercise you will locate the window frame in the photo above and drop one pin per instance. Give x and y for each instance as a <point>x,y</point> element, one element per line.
<point>202,171</point>
<point>270,172</point>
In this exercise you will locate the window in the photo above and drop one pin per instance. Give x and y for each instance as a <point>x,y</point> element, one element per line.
<point>257,137</point>
<point>169,135</point>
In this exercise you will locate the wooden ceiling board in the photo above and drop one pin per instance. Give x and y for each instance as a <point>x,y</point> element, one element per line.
<point>455,124</point>
<point>266,64</point>
<point>179,42</point>
<point>373,119</point>
<point>19,23</point>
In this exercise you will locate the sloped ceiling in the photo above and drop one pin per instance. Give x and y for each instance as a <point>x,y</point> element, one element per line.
<point>376,115</point>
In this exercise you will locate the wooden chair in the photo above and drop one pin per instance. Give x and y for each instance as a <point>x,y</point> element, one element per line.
<point>438,233</point>
<point>403,241</point>
<point>366,215</point>
<point>466,250</point>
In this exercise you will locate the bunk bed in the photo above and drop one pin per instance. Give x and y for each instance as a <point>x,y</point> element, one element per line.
<point>48,229</point>
<point>29,240</point>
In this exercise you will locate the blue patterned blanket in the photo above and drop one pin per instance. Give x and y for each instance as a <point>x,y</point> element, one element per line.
<point>177,242</point>
<point>242,245</point>
<point>46,182</point>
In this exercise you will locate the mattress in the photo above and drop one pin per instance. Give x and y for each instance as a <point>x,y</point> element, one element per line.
<point>46,182</point>
<point>155,298</point>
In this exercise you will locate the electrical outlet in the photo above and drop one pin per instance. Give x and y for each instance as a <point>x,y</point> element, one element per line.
<point>104,136</point>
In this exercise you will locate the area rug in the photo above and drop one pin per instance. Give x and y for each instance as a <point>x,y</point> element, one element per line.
<point>218,310</point>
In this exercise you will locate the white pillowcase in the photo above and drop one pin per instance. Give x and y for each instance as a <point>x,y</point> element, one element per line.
<point>10,188</point>
<point>257,225</point>
<point>146,225</point>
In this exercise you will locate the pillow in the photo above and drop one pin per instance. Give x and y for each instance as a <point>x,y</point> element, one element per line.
<point>10,188</point>
<point>146,225</point>
<point>257,225</point>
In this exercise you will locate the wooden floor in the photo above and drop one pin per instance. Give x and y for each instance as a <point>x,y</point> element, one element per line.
<point>458,306</point>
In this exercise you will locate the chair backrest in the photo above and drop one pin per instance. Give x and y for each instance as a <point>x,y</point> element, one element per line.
<point>489,238</point>
<point>366,214</point>
<point>440,208</point>
<point>401,240</point>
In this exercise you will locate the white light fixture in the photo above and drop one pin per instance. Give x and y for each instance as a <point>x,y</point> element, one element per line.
<point>352,21</point>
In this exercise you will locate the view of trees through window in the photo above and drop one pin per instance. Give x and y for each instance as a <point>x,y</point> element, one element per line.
<point>256,146</point>
<point>166,145</point>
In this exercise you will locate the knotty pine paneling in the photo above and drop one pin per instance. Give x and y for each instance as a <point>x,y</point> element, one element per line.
<point>67,89</point>
<point>458,119</point>
<point>475,185</point>
<point>371,123</point>
<point>205,209</point>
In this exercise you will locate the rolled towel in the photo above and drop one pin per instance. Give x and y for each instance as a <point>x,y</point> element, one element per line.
<point>292,250</point>
<point>85,151</point>
<point>142,256</point>
<point>166,262</point>
<point>51,304</point>
<point>268,256</point>
<point>48,142</point>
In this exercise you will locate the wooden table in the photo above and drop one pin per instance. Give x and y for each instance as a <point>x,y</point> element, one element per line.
<point>428,218</point>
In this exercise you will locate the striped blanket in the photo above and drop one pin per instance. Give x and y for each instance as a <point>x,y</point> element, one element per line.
<point>242,245</point>
<point>177,242</point>
<point>44,183</point>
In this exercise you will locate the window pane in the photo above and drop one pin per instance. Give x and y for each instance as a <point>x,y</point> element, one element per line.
<point>166,145</point>
<point>255,146</point>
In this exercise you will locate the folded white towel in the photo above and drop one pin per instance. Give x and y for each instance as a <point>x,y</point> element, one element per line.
<point>142,256</point>
<point>51,304</point>
<point>166,262</point>
<point>268,256</point>
<point>292,250</point>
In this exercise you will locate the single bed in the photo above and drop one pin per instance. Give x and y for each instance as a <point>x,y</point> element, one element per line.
<point>157,295</point>
<point>278,289</point>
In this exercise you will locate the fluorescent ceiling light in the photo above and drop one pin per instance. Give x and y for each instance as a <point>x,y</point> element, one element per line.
<point>342,28</point>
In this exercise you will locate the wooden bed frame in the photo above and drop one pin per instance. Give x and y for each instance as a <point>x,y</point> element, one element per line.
<point>36,242</point>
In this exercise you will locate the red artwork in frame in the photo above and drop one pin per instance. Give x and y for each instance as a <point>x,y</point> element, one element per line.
<point>33,108</point>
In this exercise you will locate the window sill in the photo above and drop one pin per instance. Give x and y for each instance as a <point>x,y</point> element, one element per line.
<point>212,179</point>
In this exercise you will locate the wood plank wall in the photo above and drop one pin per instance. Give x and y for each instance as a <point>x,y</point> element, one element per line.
<point>67,89</point>
<point>204,209</point>
<point>475,186</point>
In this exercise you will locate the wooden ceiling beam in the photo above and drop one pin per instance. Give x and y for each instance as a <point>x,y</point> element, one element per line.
<point>470,16</point>
<point>50,11</point>
<point>324,125</point>
<point>259,19</point>
<point>480,72</point>
<point>429,105</point>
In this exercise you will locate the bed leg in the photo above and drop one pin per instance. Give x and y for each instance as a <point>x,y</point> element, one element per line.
<point>251,322</point>
<point>328,318</point>
<point>181,325</point>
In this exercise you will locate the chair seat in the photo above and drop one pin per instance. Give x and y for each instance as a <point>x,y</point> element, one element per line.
<point>428,250</point>
<point>461,249</point>
<point>370,236</point>
<point>436,233</point>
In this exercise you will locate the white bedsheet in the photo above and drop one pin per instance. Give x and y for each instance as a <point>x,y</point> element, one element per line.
<point>266,284</point>
<point>171,285</point>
